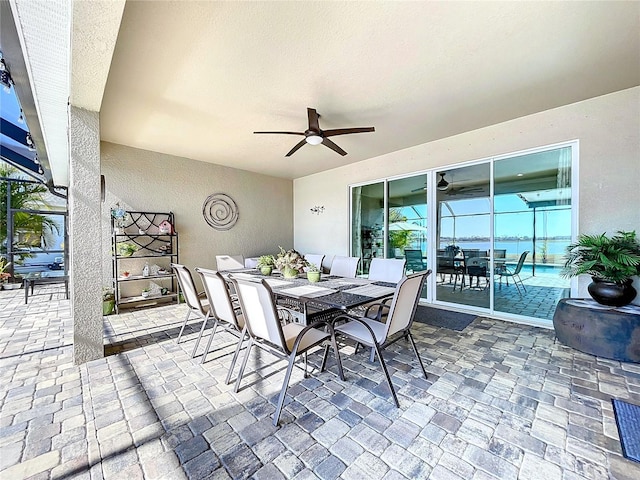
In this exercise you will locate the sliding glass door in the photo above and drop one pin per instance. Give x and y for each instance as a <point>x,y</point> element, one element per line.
<point>494,235</point>
<point>464,236</point>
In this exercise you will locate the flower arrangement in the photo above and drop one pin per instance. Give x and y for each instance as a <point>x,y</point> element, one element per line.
<point>290,262</point>
<point>4,275</point>
<point>119,214</point>
<point>266,261</point>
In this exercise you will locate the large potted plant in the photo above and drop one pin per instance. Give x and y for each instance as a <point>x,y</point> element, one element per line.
<point>612,263</point>
<point>290,263</point>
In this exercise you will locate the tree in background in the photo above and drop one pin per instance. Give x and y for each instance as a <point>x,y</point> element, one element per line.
<point>35,229</point>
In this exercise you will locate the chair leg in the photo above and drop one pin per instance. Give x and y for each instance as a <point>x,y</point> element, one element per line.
<point>415,350</point>
<point>283,392</point>
<point>244,364</point>
<point>184,324</point>
<point>386,374</point>
<point>235,356</point>
<point>204,324</point>
<point>306,365</point>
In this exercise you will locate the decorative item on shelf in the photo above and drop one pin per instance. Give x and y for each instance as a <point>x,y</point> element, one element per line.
<point>165,248</point>
<point>165,228</point>
<point>161,271</point>
<point>313,273</point>
<point>220,211</point>
<point>145,292</point>
<point>154,270</point>
<point>155,289</point>
<point>108,300</point>
<point>141,232</point>
<point>145,270</point>
<point>318,209</point>
<point>611,262</point>
<point>126,274</point>
<point>119,215</point>
<point>290,263</point>
<point>125,249</point>
<point>164,291</point>
<point>266,264</point>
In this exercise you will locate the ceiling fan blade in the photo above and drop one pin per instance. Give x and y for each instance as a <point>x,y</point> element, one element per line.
<point>313,119</point>
<point>328,143</point>
<point>296,148</point>
<point>421,189</point>
<point>346,131</point>
<point>285,133</point>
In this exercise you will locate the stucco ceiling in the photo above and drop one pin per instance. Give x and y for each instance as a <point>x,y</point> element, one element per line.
<point>195,79</point>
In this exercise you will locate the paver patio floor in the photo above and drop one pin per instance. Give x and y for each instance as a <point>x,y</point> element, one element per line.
<point>502,401</point>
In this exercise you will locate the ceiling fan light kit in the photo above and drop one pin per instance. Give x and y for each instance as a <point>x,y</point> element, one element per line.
<point>314,135</point>
<point>442,184</point>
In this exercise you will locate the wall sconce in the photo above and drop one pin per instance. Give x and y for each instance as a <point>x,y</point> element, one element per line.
<point>317,209</point>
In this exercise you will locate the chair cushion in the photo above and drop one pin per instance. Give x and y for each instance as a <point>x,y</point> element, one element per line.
<point>311,337</point>
<point>359,332</point>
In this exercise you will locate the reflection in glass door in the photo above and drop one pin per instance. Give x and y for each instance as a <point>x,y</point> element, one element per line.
<point>463,236</point>
<point>532,204</point>
<point>367,224</point>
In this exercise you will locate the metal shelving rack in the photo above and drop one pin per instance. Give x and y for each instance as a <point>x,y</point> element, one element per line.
<point>153,243</point>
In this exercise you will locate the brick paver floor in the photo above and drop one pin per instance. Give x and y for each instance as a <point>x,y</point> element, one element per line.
<point>502,401</point>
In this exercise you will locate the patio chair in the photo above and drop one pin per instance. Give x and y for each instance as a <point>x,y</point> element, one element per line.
<point>415,262</point>
<point>191,297</point>
<point>515,274</point>
<point>386,270</point>
<point>448,265</point>
<point>475,264</point>
<point>229,262</point>
<point>372,332</point>
<point>222,310</point>
<point>344,266</point>
<point>314,258</point>
<point>268,333</point>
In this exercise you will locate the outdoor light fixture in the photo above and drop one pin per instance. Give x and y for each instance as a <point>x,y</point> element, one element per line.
<point>318,209</point>
<point>313,139</point>
<point>442,184</point>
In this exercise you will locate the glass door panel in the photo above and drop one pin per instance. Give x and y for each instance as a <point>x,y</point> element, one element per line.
<point>407,213</point>
<point>367,228</point>
<point>463,235</point>
<point>532,227</point>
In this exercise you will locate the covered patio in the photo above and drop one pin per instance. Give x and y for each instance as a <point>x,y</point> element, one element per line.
<point>502,401</point>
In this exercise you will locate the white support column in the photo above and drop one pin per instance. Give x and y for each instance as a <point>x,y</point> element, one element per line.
<point>84,235</point>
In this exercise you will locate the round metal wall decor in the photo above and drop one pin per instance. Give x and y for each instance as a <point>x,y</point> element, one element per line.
<point>220,211</point>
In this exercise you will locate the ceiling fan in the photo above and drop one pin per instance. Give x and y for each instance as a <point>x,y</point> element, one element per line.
<point>314,135</point>
<point>448,188</point>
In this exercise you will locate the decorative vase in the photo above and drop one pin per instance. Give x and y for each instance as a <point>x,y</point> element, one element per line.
<point>108,306</point>
<point>313,276</point>
<point>289,272</point>
<point>265,270</point>
<point>610,293</point>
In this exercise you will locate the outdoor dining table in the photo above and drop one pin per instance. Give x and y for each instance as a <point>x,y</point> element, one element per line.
<point>317,300</point>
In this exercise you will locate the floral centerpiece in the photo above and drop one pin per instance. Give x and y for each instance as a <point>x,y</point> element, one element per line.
<point>4,275</point>
<point>290,263</point>
<point>119,215</point>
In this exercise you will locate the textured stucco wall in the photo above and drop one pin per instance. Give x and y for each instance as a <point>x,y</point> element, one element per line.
<point>142,180</point>
<point>84,235</point>
<point>607,127</point>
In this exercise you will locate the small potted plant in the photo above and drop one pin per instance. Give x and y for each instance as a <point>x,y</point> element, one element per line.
<point>108,300</point>
<point>125,249</point>
<point>313,273</point>
<point>290,263</point>
<point>611,262</point>
<point>126,274</point>
<point>266,264</point>
<point>145,292</point>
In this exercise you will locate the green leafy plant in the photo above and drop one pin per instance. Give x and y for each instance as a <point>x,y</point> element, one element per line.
<point>125,249</point>
<point>290,259</point>
<point>266,261</point>
<point>4,275</point>
<point>612,259</point>
<point>108,294</point>
<point>312,267</point>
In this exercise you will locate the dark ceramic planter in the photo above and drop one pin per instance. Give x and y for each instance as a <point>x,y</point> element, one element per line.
<point>610,293</point>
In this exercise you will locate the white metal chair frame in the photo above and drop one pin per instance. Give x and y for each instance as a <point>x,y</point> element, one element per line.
<point>344,266</point>
<point>315,259</point>
<point>386,269</point>
<point>191,297</point>
<point>221,309</point>
<point>372,332</point>
<point>266,332</point>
